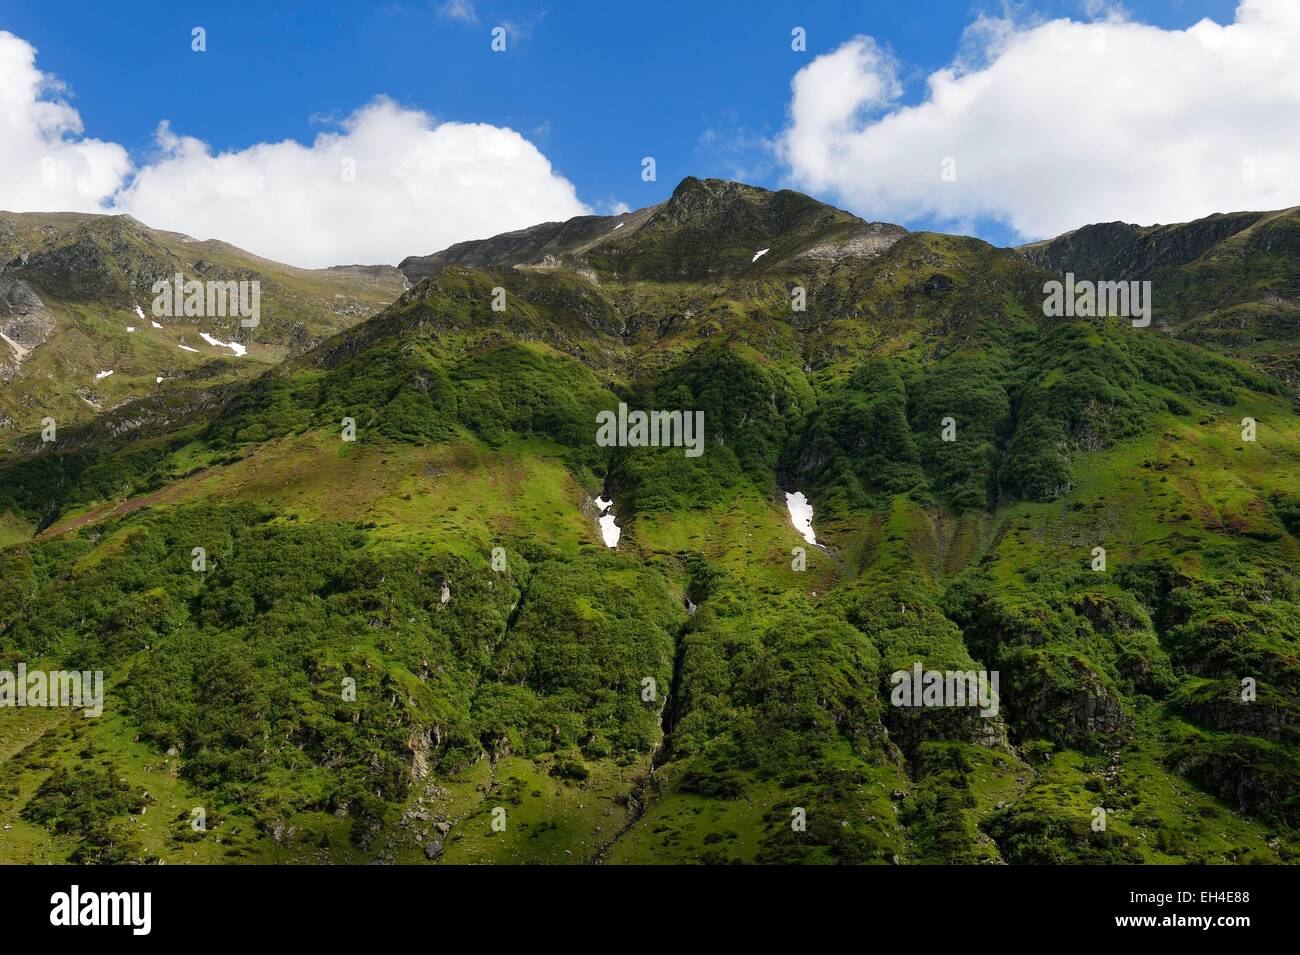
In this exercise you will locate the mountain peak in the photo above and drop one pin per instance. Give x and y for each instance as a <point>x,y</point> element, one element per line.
<point>729,203</point>
<point>707,228</point>
<point>692,189</point>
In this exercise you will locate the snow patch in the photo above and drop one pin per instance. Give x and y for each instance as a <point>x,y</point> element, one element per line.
<point>19,351</point>
<point>609,531</point>
<point>103,374</point>
<point>235,347</point>
<point>155,325</point>
<point>759,254</point>
<point>188,348</point>
<point>801,514</point>
<point>140,313</point>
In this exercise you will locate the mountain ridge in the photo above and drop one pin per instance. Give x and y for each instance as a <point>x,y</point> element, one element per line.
<point>716,208</point>
<point>76,291</point>
<point>1228,281</point>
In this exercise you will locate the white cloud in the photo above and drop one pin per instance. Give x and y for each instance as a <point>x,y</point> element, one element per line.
<point>45,163</point>
<point>419,185</point>
<point>1056,124</point>
<point>462,10</point>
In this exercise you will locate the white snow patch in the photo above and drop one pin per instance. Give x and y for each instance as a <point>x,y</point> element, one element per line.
<point>609,531</point>
<point>759,254</point>
<point>158,380</point>
<point>617,227</point>
<point>155,325</point>
<point>130,328</point>
<point>188,348</point>
<point>139,312</point>
<point>235,347</point>
<point>801,514</point>
<point>103,374</point>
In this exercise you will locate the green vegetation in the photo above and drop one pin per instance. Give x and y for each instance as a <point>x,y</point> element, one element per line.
<point>77,281</point>
<point>413,646</point>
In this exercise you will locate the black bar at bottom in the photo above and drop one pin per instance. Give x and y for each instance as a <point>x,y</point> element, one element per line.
<point>916,904</point>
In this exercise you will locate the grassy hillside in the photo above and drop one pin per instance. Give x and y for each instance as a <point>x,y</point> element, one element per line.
<point>76,303</point>
<point>415,647</point>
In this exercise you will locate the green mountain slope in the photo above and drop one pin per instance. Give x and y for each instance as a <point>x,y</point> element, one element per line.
<point>76,303</point>
<point>1230,282</point>
<point>415,646</point>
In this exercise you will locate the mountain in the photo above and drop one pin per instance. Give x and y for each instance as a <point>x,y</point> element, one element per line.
<point>403,636</point>
<point>707,229</point>
<point>76,303</point>
<point>1230,282</point>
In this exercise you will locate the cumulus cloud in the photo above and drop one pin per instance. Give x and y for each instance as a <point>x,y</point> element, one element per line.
<point>392,183</point>
<point>388,183</point>
<point>45,162</point>
<point>1053,125</point>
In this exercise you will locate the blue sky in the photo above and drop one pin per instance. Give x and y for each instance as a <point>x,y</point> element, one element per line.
<point>705,88</point>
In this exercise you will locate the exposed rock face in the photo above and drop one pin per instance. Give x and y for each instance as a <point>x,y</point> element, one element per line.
<point>1244,772</point>
<point>867,241</point>
<point>419,745</point>
<point>1072,704</point>
<point>716,205</point>
<point>1117,251</point>
<point>1218,705</point>
<point>24,324</point>
<point>909,727</point>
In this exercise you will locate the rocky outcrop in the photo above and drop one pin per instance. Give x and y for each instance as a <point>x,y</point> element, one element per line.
<point>1062,698</point>
<point>865,242</point>
<point>1255,776</point>
<point>1218,705</point>
<point>1118,251</point>
<point>25,323</point>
